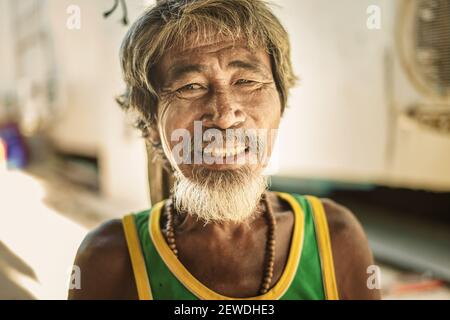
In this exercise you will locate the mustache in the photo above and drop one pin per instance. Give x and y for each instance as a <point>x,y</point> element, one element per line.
<point>222,139</point>
<point>213,145</point>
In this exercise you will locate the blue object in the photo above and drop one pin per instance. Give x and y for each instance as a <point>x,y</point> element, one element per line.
<point>16,151</point>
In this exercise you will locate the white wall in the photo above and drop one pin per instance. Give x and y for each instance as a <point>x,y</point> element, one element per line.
<point>344,121</point>
<point>336,120</point>
<point>89,65</point>
<point>92,78</point>
<point>86,119</point>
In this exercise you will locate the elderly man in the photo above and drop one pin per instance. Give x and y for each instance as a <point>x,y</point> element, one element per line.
<point>219,66</point>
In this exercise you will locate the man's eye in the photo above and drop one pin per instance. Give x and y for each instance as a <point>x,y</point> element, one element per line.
<point>244,82</point>
<point>190,87</point>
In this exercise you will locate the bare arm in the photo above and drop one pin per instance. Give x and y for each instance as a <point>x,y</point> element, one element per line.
<point>105,267</point>
<point>351,253</point>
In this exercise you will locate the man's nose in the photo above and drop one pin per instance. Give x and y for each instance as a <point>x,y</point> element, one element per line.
<point>223,112</point>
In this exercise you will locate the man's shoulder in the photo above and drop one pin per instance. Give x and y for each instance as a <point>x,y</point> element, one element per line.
<point>341,220</point>
<point>104,262</point>
<point>351,252</point>
<point>346,233</point>
<point>108,238</point>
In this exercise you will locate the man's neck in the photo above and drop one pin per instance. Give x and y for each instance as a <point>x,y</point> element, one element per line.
<point>189,222</point>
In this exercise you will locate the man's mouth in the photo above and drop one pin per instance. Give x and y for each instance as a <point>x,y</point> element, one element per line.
<point>219,156</point>
<point>225,152</point>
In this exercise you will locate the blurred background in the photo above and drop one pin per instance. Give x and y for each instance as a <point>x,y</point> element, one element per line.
<point>369,126</point>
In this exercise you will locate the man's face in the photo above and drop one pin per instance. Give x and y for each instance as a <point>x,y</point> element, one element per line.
<point>222,85</point>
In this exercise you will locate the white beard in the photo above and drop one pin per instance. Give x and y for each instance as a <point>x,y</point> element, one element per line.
<point>220,196</point>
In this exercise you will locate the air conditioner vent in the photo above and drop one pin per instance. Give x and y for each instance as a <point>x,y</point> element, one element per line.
<point>424,40</point>
<point>433,43</point>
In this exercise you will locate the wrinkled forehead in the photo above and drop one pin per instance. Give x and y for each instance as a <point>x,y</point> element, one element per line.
<point>219,49</point>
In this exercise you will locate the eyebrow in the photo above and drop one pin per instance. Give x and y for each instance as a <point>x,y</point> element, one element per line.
<point>179,70</point>
<point>251,66</point>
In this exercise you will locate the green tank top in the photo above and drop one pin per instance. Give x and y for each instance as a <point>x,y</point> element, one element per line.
<point>308,274</point>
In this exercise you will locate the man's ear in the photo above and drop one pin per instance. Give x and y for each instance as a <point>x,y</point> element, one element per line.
<point>153,136</point>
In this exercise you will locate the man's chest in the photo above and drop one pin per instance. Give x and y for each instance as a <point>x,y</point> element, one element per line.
<point>235,266</point>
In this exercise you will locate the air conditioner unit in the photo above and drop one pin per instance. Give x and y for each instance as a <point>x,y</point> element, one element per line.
<point>420,95</point>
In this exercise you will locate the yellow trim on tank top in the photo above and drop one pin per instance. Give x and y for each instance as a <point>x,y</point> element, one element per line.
<point>137,259</point>
<point>203,292</point>
<point>325,251</point>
